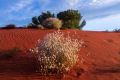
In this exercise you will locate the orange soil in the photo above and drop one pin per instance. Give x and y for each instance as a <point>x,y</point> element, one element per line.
<point>99,57</point>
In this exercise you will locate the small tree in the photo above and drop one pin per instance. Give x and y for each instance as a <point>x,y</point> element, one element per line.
<point>44,16</point>
<point>37,21</point>
<point>71,19</point>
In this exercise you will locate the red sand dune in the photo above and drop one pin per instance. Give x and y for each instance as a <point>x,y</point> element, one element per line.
<point>99,58</point>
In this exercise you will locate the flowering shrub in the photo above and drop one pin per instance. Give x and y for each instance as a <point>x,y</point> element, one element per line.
<point>52,23</point>
<point>56,53</point>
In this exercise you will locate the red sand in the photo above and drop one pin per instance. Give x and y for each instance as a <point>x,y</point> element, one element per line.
<point>99,56</point>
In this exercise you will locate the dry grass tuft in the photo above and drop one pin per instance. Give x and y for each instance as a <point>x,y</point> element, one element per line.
<point>52,23</point>
<point>57,53</point>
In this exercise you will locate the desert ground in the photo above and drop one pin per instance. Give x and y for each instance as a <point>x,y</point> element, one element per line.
<point>99,57</point>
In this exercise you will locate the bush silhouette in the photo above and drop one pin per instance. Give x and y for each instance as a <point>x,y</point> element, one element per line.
<point>37,21</point>
<point>9,26</point>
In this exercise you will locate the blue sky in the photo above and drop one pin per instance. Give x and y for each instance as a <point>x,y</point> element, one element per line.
<point>99,14</point>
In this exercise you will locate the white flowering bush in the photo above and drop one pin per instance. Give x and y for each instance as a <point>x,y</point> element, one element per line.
<point>56,53</point>
<point>52,23</point>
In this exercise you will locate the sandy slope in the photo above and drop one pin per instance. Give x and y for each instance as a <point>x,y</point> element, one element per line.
<point>99,57</point>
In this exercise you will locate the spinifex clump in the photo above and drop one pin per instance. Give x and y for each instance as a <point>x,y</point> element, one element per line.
<point>52,23</point>
<point>56,53</point>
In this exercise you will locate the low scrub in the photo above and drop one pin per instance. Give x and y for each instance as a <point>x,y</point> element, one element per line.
<point>10,26</point>
<point>56,53</point>
<point>9,53</point>
<point>116,30</point>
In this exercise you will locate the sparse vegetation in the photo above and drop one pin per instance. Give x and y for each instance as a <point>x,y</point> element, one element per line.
<point>55,54</point>
<point>9,53</point>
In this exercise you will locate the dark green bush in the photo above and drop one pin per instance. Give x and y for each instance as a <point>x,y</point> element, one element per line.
<point>44,16</point>
<point>71,19</point>
<point>37,22</point>
<point>9,26</point>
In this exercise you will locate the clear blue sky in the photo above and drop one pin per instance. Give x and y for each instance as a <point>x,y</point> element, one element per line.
<point>99,14</point>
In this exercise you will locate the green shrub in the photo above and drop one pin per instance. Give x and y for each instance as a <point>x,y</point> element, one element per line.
<point>44,16</point>
<point>71,19</point>
<point>38,20</point>
<point>9,26</point>
<point>56,53</point>
<point>35,21</point>
<point>52,23</point>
